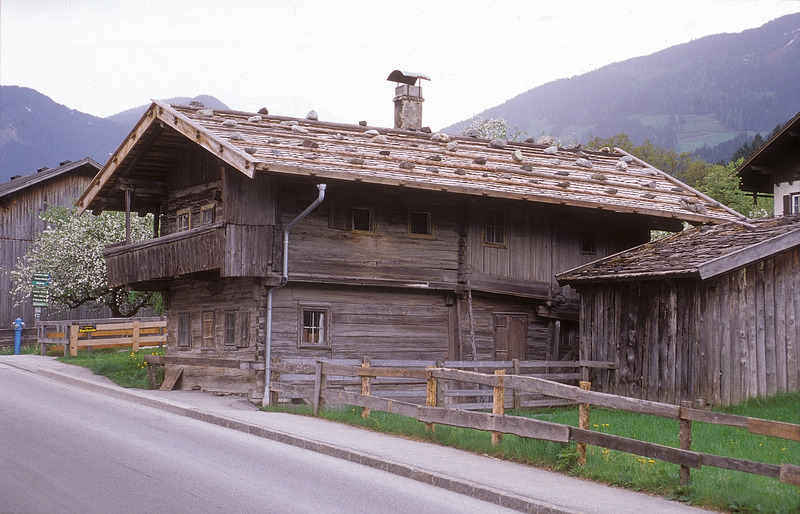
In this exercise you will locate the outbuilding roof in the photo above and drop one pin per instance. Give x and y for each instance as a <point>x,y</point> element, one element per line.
<point>703,252</point>
<point>779,154</point>
<point>249,142</point>
<point>18,184</point>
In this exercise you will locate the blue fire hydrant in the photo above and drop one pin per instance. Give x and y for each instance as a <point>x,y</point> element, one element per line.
<point>18,326</point>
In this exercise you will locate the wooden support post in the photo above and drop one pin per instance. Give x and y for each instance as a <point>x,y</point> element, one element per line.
<point>685,439</point>
<point>498,404</point>
<point>515,370</point>
<point>430,399</point>
<point>274,377</point>
<point>439,386</point>
<point>73,340</point>
<point>365,389</point>
<point>583,422</point>
<point>319,388</point>
<point>136,336</point>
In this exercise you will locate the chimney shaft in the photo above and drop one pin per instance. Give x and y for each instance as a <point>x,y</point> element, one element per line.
<point>407,99</point>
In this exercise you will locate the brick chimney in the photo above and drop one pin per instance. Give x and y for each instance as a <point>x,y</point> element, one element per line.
<point>407,99</point>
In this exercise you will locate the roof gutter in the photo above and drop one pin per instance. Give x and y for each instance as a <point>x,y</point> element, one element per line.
<point>284,280</point>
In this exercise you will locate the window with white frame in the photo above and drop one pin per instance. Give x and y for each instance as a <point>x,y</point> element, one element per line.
<point>314,325</point>
<point>794,204</point>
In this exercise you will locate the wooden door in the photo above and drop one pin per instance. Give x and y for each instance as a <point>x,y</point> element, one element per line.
<point>510,336</point>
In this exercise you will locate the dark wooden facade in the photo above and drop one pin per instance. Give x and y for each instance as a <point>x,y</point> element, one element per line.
<point>710,316</point>
<point>21,201</point>
<point>424,252</point>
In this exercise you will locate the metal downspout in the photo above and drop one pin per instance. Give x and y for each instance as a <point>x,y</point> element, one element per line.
<point>283,282</point>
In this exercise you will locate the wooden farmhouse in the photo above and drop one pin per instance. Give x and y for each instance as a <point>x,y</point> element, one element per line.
<point>709,314</point>
<point>22,199</point>
<point>774,169</point>
<point>417,246</point>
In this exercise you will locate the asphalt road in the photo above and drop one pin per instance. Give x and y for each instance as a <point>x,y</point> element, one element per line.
<point>70,450</point>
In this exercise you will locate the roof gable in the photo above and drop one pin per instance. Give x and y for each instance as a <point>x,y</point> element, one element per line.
<point>251,143</point>
<point>702,252</point>
<point>779,156</point>
<point>18,184</point>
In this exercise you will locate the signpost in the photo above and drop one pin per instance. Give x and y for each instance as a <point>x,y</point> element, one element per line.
<point>39,295</point>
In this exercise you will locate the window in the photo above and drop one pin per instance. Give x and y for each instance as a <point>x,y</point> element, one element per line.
<point>494,227</point>
<point>184,220</point>
<point>587,244</point>
<point>794,208</point>
<point>184,331</point>
<point>207,214</point>
<point>236,329</point>
<point>208,329</point>
<point>420,223</point>
<point>314,323</point>
<point>363,219</point>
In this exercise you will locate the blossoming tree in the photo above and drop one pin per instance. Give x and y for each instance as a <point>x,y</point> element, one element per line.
<point>70,250</point>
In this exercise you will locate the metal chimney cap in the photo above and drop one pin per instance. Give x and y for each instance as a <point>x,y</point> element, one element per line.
<point>406,77</point>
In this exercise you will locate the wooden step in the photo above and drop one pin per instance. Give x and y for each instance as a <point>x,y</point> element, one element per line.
<point>171,376</point>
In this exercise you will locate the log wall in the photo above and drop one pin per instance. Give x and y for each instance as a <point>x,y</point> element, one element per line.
<point>724,340</point>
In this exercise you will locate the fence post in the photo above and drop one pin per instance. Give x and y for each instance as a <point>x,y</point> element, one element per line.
<point>319,388</point>
<point>686,439</point>
<point>498,403</point>
<point>515,370</point>
<point>430,397</point>
<point>439,386</point>
<point>583,422</point>
<point>73,340</point>
<point>365,389</point>
<point>275,377</point>
<point>136,336</point>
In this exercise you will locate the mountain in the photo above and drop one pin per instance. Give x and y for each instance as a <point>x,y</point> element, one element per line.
<point>37,132</point>
<point>131,116</point>
<point>704,92</point>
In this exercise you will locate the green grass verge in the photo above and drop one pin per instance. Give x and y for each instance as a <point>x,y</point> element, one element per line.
<point>24,349</point>
<point>123,367</point>
<point>710,487</point>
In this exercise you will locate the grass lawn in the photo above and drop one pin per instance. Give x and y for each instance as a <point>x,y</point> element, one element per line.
<point>709,487</point>
<point>122,366</point>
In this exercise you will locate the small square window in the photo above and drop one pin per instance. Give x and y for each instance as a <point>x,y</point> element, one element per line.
<point>363,219</point>
<point>314,323</point>
<point>183,220</point>
<point>494,227</point>
<point>184,331</point>
<point>207,215</point>
<point>420,223</point>
<point>587,244</point>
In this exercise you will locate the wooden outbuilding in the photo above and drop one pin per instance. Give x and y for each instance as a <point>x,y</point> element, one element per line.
<point>709,314</point>
<point>421,245</point>
<point>22,199</point>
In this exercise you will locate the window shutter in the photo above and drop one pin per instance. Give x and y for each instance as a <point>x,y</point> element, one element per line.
<point>787,204</point>
<point>340,217</point>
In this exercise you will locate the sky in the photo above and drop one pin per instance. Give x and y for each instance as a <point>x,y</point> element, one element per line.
<point>333,56</point>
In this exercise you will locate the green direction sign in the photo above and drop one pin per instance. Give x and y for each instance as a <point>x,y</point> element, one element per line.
<point>41,282</point>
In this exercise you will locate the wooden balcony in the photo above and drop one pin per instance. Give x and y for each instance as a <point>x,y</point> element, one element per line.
<point>210,252</point>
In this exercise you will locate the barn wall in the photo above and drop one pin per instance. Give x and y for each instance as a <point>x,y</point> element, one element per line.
<point>730,338</point>
<point>19,224</point>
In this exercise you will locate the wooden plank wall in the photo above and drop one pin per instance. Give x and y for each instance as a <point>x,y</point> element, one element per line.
<point>19,223</point>
<point>380,322</point>
<point>240,295</point>
<point>730,338</point>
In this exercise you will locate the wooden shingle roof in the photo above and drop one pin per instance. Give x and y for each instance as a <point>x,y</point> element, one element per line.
<point>703,252</point>
<point>18,184</point>
<point>613,181</point>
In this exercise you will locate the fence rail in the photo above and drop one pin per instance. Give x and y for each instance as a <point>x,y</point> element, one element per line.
<point>7,336</point>
<point>111,332</point>
<point>434,412</point>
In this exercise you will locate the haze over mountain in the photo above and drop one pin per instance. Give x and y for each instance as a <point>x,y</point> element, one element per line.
<point>699,93</point>
<point>36,132</point>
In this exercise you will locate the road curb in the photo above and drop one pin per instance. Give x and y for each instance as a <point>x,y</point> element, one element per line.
<point>461,486</point>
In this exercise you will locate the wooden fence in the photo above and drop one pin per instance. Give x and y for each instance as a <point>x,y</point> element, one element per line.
<point>433,412</point>
<point>7,336</point>
<point>293,377</point>
<point>102,333</point>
